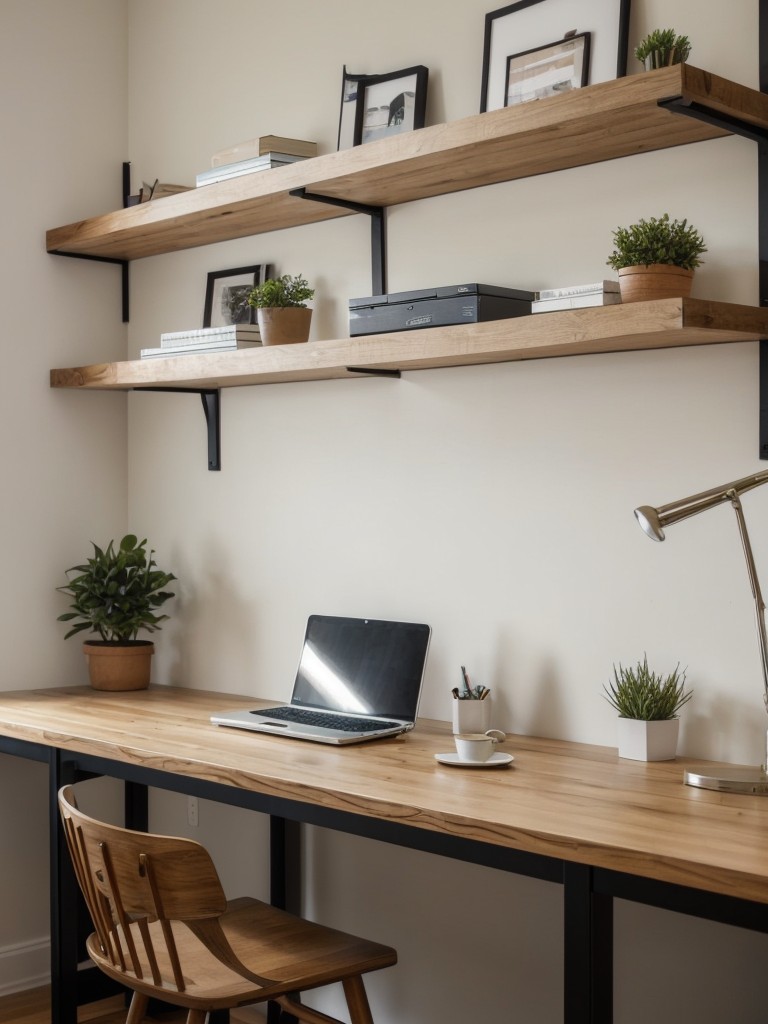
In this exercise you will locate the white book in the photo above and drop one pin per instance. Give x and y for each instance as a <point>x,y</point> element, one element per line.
<point>195,350</point>
<point>259,163</point>
<point>210,335</point>
<point>579,289</point>
<point>576,302</point>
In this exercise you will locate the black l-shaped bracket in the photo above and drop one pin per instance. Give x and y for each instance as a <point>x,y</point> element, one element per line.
<point>211,399</point>
<point>378,233</point>
<point>760,136</point>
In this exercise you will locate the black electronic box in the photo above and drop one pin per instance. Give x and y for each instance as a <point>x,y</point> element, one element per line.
<point>436,307</point>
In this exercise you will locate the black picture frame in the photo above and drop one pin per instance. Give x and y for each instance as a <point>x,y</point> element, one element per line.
<point>226,292</point>
<point>378,106</point>
<point>549,70</point>
<point>530,24</point>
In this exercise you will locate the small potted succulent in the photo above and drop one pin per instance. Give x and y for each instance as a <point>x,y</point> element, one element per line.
<point>115,594</point>
<point>648,705</point>
<point>281,309</point>
<point>661,48</point>
<point>656,258</point>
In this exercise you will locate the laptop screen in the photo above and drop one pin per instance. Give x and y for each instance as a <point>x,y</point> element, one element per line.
<point>362,666</point>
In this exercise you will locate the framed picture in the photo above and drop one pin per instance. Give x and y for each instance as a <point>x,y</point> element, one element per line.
<point>376,106</point>
<point>527,26</point>
<point>549,70</point>
<point>226,295</point>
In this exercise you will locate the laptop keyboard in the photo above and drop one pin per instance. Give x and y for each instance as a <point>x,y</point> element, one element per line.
<point>303,716</point>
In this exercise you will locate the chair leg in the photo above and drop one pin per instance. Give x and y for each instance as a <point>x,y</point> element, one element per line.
<point>357,1001</point>
<point>137,1009</point>
<point>197,1016</point>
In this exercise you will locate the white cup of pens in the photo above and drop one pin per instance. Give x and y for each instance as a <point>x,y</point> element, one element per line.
<point>471,706</point>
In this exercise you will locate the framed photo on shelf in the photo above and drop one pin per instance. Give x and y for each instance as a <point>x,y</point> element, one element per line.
<point>226,295</point>
<point>377,106</point>
<point>523,28</point>
<point>549,70</point>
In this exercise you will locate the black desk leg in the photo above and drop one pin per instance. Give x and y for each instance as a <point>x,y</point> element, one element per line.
<point>65,897</point>
<point>284,883</point>
<point>588,930</point>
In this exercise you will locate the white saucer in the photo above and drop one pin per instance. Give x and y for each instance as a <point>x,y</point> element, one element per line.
<point>494,761</point>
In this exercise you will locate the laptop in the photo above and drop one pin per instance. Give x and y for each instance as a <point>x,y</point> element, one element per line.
<point>358,679</point>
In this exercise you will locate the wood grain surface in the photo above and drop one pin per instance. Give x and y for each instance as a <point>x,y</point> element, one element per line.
<point>567,800</point>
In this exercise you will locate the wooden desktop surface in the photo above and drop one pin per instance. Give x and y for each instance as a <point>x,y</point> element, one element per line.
<point>571,801</point>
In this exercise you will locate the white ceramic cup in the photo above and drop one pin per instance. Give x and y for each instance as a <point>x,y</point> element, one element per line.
<point>477,746</point>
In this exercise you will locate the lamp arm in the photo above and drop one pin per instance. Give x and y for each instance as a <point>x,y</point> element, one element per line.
<point>756,592</point>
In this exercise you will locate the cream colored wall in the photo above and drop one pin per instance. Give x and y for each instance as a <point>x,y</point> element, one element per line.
<point>63,125</point>
<point>493,502</point>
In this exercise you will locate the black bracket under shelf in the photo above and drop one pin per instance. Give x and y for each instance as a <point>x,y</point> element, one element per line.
<point>378,233</point>
<point>211,399</point>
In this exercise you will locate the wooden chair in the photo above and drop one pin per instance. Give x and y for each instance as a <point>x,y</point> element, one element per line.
<point>165,930</point>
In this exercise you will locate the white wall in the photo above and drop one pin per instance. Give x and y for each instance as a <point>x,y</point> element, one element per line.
<point>493,502</point>
<point>63,125</point>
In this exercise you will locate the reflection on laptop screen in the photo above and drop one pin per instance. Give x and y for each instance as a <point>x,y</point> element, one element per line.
<point>361,666</point>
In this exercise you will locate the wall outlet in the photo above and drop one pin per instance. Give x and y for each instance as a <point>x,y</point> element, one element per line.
<point>193,811</point>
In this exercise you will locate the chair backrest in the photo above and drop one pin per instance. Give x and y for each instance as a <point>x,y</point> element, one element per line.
<point>130,880</point>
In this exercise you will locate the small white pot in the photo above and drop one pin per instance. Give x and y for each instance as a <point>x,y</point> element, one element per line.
<point>648,741</point>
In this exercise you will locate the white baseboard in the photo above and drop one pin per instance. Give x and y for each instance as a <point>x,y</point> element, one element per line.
<point>25,965</point>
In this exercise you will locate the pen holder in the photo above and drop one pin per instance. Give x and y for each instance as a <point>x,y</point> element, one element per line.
<point>471,715</point>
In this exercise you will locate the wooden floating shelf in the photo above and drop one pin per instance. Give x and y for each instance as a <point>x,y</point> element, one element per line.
<point>666,323</point>
<point>601,122</point>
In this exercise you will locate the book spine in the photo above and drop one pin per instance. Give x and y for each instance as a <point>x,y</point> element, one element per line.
<point>186,350</point>
<point>579,289</point>
<point>208,337</point>
<point>575,302</point>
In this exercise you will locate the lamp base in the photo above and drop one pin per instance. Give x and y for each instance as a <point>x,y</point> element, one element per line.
<point>732,780</point>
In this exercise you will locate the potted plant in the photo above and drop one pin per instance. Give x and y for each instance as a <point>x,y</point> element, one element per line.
<point>661,48</point>
<point>656,258</point>
<point>281,309</point>
<point>117,593</point>
<point>648,706</point>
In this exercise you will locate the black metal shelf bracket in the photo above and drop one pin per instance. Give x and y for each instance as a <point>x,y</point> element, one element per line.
<point>378,233</point>
<point>123,264</point>
<point>760,136</point>
<point>211,399</point>
<point>373,371</point>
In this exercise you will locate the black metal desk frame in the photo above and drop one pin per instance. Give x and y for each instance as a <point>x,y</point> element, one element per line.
<point>588,892</point>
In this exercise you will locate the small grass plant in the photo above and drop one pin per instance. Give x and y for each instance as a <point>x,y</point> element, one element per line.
<point>279,292</point>
<point>661,48</point>
<point>657,240</point>
<point>641,694</point>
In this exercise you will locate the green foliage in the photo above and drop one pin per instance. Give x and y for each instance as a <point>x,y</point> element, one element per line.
<point>116,592</point>
<point>281,291</point>
<point>641,694</point>
<point>663,47</point>
<point>657,240</point>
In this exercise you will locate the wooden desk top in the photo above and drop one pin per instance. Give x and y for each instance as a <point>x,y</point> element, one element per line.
<point>566,800</point>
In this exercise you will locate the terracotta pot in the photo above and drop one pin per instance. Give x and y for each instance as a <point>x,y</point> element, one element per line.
<point>648,741</point>
<point>287,325</point>
<point>116,667</point>
<point>657,281</point>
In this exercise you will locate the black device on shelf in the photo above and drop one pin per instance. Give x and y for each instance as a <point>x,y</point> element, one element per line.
<point>436,307</point>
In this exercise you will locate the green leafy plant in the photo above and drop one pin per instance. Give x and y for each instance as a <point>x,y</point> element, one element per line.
<point>657,240</point>
<point>282,291</point>
<point>661,48</point>
<point>117,592</point>
<point>641,694</point>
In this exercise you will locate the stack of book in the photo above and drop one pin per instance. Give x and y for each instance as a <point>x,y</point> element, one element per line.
<point>603,293</point>
<point>228,338</point>
<point>257,155</point>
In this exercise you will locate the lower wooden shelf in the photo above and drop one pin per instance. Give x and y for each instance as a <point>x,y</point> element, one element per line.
<point>667,323</point>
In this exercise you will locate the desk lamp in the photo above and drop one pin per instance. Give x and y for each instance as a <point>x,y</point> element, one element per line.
<point>653,521</point>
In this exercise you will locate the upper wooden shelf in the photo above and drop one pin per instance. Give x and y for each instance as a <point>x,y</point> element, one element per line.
<point>601,122</point>
<point>667,323</point>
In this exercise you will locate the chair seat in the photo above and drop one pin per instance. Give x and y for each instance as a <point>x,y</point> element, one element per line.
<point>286,951</point>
